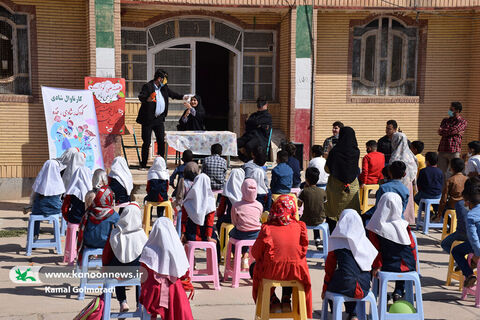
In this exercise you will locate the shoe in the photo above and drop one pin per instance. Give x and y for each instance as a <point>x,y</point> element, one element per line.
<point>124,307</point>
<point>470,281</point>
<point>318,244</point>
<point>245,265</point>
<point>396,297</point>
<point>27,209</point>
<point>457,268</point>
<point>142,168</point>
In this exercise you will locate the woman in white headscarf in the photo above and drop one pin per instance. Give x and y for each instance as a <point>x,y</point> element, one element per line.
<point>77,160</point>
<point>401,152</point>
<point>73,207</point>
<point>66,157</point>
<point>349,261</point>
<point>232,193</point>
<point>46,192</point>
<point>125,245</point>
<point>157,184</point>
<point>263,193</point>
<point>198,211</point>
<point>392,237</point>
<point>164,258</point>
<point>121,181</point>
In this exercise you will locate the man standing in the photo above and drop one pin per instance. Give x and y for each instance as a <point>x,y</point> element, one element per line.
<point>153,111</point>
<point>330,142</point>
<point>384,145</point>
<point>257,131</point>
<point>451,129</point>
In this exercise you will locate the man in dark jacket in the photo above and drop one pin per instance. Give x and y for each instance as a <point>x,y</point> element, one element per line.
<point>257,131</point>
<point>384,144</point>
<point>154,98</point>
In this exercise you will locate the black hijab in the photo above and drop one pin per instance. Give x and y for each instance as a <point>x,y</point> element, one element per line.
<point>193,122</point>
<point>343,158</point>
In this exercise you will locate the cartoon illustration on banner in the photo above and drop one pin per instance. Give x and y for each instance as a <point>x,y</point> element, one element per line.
<point>109,99</point>
<point>72,122</point>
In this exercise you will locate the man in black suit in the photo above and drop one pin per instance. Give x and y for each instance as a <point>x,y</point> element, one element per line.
<point>154,97</point>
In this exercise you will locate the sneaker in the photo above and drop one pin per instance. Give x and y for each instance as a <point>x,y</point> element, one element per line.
<point>124,307</point>
<point>318,244</point>
<point>396,297</point>
<point>470,281</point>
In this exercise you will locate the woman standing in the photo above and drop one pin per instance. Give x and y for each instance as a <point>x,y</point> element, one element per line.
<point>193,116</point>
<point>401,152</point>
<point>342,185</point>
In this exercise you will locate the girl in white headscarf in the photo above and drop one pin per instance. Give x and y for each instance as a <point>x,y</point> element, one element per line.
<point>349,261</point>
<point>77,160</point>
<point>392,237</point>
<point>198,211</point>
<point>99,180</point>
<point>73,207</point>
<point>232,193</point>
<point>46,192</point>
<point>125,245</point>
<point>401,152</point>
<point>157,184</point>
<point>121,181</point>
<point>164,258</point>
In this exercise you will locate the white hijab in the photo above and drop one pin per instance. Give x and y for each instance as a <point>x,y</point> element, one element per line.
<point>121,173</point>
<point>158,170</point>
<point>127,238</point>
<point>233,187</point>
<point>387,220</point>
<point>163,252</point>
<point>99,179</point>
<point>66,157</point>
<point>200,199</point>
<point>258,175</point>
<point>77,160</point>
<point>81,183</point>
<point>401,152</point>
<point>350,234</point>
<point>48,181</point>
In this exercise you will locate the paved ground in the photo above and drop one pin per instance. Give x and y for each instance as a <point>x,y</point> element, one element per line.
<point>31,301</point>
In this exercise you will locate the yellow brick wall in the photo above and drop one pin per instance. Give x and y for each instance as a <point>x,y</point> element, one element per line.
<point>448,66</point>
<point>62,62</point>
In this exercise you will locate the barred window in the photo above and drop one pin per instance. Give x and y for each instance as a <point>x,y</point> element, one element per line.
<point>384,58</point>
<point>14,53</point>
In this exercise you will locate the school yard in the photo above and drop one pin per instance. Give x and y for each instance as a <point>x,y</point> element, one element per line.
<point>31,302</point>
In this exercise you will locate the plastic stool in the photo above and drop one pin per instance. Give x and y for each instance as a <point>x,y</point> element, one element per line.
<point>475,290</point>
<point>364,192</point>
<point>54,242</point>
<point>110,284</point>
<point>225,237</point>
<point>453,223</point>
<point>71,244</point>
<point>426,224</point>
<point>339,299</point>
<point>451,273</point>
<point>63,229</point>
<point>416,253</point>
<point>179,222</point>
<point>147,213</point>
<point>235,271</point>
<point>86,264</point>
<point>412,278</point>
<point>299,304</point>
<point>209,274</point>
<point>295,191</point>
<point>315,254</point>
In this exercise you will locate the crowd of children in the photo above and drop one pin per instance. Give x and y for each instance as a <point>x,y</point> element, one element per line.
<point>357,249</point>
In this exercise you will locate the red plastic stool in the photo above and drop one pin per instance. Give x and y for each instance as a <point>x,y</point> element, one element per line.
<point>71,244</point>
<point>209,274</point>
<point>235,272</point>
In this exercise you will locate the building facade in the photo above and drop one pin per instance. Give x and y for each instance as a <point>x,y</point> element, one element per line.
<point>361,62</point>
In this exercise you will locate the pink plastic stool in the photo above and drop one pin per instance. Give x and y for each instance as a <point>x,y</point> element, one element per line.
<point>475,291</point>
<point>209,274</point>
<point>235,271</point>
<point>296,191</point>
<point>71,244</point>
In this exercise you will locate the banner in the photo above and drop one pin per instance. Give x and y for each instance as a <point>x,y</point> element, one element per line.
<point>72,122</point>
<point>109,98</point>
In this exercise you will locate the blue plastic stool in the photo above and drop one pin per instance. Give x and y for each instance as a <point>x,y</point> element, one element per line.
<point>179,223</point>
<point>54,242</point>
<point>109,286</point>
<point>316,254</point>
<point>339,299</point>
<point>416,251</point>
<point>86,264</point>
<point>63,229</point>
<point>411,278</point>
<point>426,224</point>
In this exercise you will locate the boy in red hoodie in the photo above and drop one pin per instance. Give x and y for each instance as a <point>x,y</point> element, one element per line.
<point>372,165</point>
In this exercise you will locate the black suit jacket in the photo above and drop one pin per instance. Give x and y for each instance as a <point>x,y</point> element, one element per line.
<point>146,114</point>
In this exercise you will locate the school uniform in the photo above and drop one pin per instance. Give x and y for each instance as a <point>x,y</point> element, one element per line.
<point>395,186</point>
<point>282,179</point>
<point>120,180</point>
<point>73,207</point>
<point>429,183</point>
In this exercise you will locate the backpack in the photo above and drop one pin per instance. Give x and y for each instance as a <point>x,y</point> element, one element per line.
<point>93,311</point>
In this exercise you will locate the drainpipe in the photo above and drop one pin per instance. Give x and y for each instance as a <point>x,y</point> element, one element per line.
<point>312,84</point>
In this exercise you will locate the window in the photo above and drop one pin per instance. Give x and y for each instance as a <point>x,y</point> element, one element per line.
<point>14,53</point>
<point>134,61</point>
<point>384,58</point>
